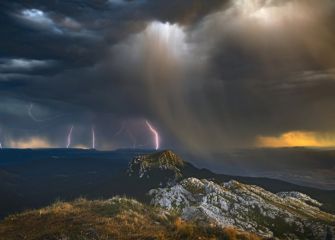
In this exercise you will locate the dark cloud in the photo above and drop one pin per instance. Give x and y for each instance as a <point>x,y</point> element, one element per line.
<point>209,76</point>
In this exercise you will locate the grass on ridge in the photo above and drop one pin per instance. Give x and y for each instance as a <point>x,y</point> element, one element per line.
<point>117,218</point>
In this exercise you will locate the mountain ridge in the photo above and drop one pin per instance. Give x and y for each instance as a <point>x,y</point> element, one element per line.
<point>116,218</point>
<point>42,176</point>
<point>208,204</point>
<point>247,207</point>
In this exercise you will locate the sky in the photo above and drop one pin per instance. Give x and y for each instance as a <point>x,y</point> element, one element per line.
<point>206,75</point>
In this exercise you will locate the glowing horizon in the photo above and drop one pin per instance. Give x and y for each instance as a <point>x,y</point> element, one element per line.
<point>297,139</point>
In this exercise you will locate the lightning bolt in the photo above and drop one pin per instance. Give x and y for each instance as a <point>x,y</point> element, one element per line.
<point>121,129</point>
<point>69,137</point>
<point>0,142</point>
<point>32,116</point>
<point>93,138</point>
<point>155,133</point>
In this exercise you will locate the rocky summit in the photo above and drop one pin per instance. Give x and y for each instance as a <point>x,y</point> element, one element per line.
<point>289,215</point>
<point>164,162</point>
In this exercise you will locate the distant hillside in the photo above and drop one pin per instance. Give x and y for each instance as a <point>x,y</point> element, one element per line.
<point>311,167</point>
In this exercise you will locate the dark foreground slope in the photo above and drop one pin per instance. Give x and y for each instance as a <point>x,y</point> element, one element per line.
<point>36,178</point>
<point>117,218</point>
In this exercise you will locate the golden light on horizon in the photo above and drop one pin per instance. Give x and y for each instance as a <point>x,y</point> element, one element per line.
<point>297,139</point>
<point>33,142</point>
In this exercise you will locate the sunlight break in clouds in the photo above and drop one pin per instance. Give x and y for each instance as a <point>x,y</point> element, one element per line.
<point>297,139</point>
<point>270,12</point>
<point>159,47</point>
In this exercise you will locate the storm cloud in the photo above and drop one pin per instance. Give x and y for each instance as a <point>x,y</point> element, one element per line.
<point>208,76</point>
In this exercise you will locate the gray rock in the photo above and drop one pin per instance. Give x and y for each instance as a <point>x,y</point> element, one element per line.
<point>289,215</point>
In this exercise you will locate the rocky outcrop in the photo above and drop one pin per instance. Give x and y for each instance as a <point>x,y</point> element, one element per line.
<point>301,197</point>
<point>289,215</point>
<point>165,164</point>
